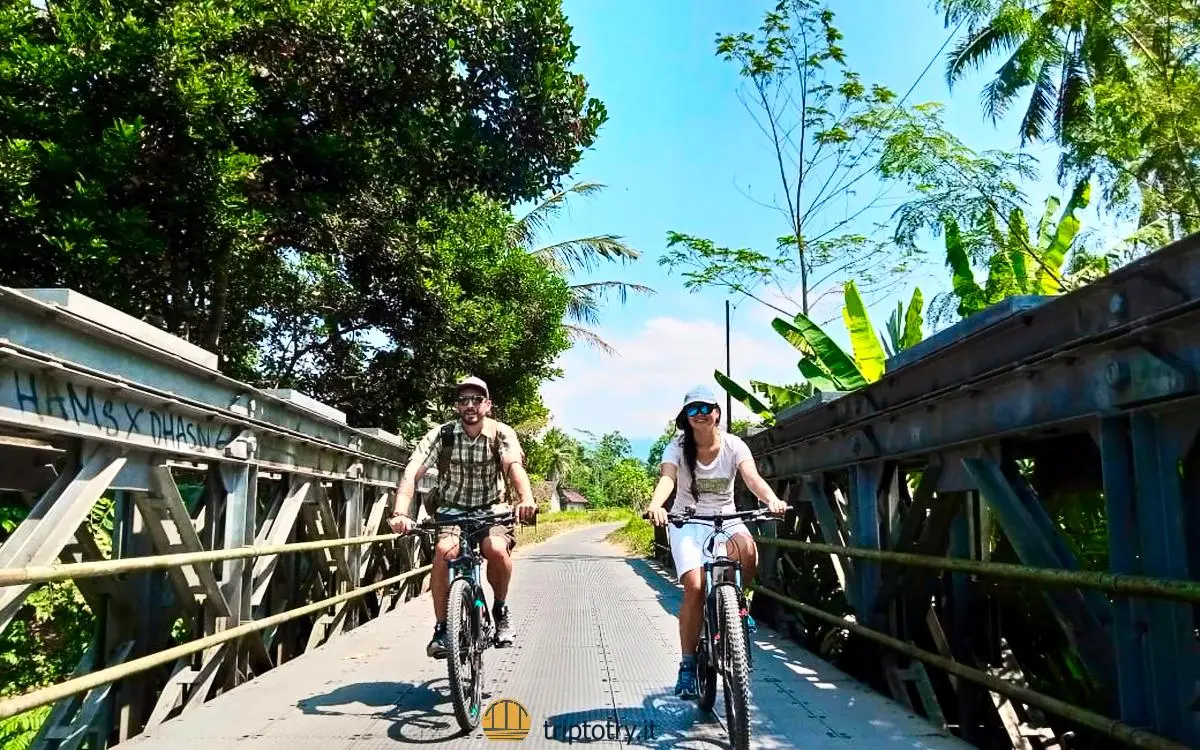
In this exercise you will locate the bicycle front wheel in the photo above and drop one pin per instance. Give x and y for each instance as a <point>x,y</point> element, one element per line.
<point>735,678</point>
<point>706,667</point>
<point>465,655</point>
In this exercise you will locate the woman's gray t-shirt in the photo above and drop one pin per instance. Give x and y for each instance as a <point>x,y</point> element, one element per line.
<point>714,482</point>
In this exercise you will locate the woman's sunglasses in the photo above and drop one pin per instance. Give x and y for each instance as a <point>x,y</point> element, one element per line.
<point>704,409</point>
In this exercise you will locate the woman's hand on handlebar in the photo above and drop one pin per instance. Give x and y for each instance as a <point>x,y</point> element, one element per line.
<point>657,516</point>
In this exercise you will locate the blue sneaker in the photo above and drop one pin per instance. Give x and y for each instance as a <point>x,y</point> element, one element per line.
<point>751,625</point>
<point>685,685</point>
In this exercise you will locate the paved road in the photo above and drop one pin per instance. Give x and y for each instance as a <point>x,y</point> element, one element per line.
<point>596,642</point>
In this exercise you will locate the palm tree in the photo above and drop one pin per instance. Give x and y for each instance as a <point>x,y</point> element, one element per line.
<point>1059,49</point>
<point>582,253</point>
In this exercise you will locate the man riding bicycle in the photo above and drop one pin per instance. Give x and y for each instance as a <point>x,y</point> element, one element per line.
<point>705,461</point>
<point>473,454</point>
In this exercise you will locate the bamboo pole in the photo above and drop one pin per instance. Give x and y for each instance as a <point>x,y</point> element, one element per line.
<point>44,696</point>
<point>95,569</point>
<point>1115,583</point>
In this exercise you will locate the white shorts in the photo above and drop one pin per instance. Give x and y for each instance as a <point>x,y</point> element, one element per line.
<point>688,543</point>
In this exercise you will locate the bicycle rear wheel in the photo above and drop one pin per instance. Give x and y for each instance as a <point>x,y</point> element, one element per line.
<point>736,677</point>
<point>465,655</point>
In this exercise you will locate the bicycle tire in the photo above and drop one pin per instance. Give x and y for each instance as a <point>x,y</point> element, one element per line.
<point>464,655</point>
<point>736,677</point>
<point>706,668</point>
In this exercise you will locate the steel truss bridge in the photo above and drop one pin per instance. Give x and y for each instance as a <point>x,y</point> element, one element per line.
<point>995,545</point>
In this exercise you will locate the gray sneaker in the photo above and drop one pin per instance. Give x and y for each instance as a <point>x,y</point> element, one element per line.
<point>503,628</point>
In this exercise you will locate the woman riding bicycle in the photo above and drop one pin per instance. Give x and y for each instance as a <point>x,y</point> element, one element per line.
<point>704,461</point>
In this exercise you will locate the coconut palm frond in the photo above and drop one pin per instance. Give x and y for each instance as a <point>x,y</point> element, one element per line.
<point>526,229</point>
<point>577,333</point>
<point>584,253</point>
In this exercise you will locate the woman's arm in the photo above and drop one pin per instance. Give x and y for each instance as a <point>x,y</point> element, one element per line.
<point>756,484</point>
<point>662,490</point>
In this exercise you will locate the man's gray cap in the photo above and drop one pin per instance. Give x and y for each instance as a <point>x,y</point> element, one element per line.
<point>472,382</point>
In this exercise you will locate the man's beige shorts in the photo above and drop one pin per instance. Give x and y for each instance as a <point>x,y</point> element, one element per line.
<point>499,530</point>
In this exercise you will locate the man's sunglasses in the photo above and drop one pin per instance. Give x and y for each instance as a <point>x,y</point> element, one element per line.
<point>466,400</point>
<point>695,409</point>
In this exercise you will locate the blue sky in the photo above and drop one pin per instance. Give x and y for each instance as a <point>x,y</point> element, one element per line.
<point>678,146</point>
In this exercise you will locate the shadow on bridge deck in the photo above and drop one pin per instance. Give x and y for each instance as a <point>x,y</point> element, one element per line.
<point>594,663</point>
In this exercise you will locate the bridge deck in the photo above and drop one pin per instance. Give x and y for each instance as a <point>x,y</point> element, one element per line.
<point>596,640</point>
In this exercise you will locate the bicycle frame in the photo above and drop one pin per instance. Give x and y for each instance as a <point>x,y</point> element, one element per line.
<point>722,570</point>
<point>469,561</point>
<point>718,572</point>
<point>469,629</point>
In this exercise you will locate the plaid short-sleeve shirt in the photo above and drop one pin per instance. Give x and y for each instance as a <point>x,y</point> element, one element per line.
<point>475,477</point>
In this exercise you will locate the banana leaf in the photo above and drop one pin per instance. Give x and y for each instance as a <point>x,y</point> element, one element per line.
<point>817,377</point>
<point>746,398</point>
<point>779,396</point>
<point>1019,255</point>
<point>912,321</point>
<point>824,351</point>
<point>1054,255</point>
<point>968,292</point>
<point>868,354</point>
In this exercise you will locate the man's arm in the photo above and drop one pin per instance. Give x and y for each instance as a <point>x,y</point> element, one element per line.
<point>512,461</point>
<point>408,487</point>
<point>423,457</point>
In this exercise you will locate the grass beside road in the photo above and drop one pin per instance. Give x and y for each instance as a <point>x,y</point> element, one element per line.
<point>637,536</point>
<point>549,524</point>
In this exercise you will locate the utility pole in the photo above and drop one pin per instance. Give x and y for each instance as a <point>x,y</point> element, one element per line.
<point>728,373</point>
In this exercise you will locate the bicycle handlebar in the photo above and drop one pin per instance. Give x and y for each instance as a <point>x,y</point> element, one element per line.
<point>690,515</point>
<point>502,516</point>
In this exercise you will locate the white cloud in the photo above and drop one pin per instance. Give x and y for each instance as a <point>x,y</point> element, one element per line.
<point>641,388</point>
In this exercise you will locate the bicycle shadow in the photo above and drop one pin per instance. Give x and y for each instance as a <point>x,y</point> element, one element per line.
<point>418,713</point>
<point>662,721</point>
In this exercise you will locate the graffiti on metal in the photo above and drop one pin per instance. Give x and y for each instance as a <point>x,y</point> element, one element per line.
<point>50,403</point>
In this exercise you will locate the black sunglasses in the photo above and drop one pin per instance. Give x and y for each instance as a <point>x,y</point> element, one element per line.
<point>705,409</point>
<point>464,400</point>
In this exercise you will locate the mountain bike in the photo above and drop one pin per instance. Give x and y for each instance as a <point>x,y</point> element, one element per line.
<point>724,645</point>
<point>469,627</point>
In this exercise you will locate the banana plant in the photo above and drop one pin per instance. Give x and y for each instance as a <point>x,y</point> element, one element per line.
<point>903,328</point>
<point>778,397</point>
<point>1017,265</point>
<point>825,365</point>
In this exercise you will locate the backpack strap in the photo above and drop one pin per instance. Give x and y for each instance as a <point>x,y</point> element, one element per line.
<point>443,463</point>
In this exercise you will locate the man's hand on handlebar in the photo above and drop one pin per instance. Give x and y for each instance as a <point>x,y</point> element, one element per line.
<point>526,511</point>
<point>777,507</point>
<point>400,524</point>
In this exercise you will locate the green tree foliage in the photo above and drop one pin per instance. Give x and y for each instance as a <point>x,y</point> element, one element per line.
<point>1115,83</point>
<point>464,299</point>
<point>254,178</point>
<point>50,633</point>
<point>603,470</point>
<point>829,131</point>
